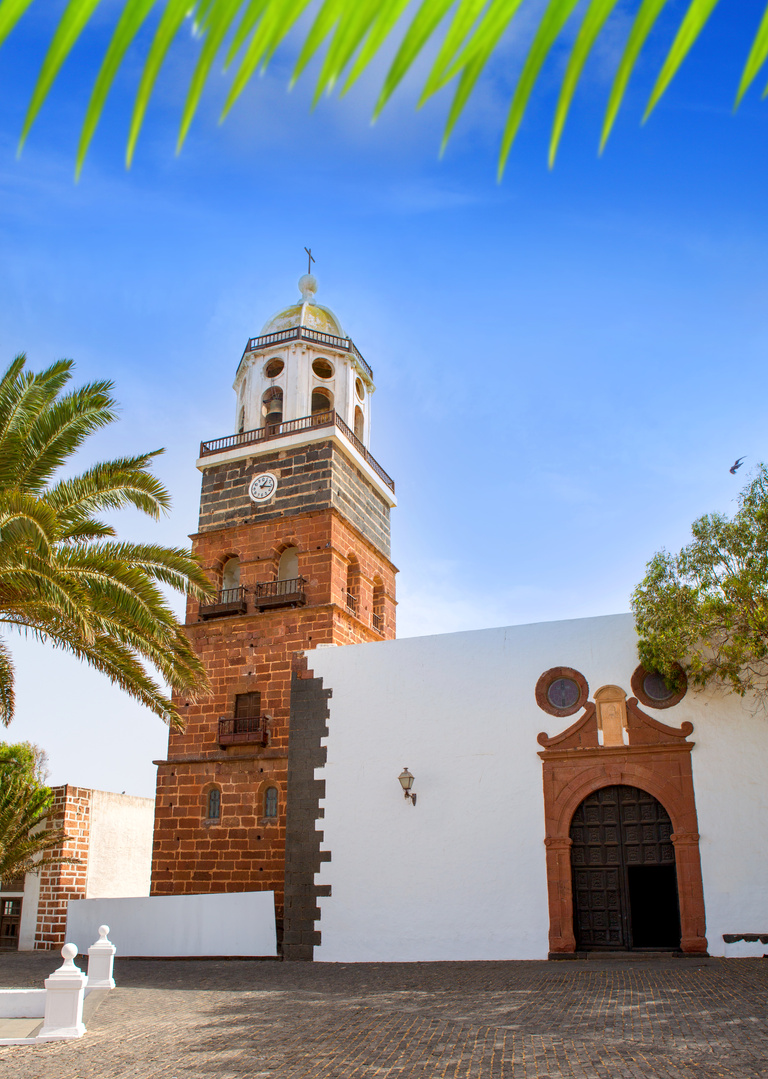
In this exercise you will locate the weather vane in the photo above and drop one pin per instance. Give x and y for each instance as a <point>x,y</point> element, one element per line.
<point>311,259</point>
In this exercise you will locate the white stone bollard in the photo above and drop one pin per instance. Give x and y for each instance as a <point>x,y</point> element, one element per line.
<point>101,958</point>
<point>64,992</point>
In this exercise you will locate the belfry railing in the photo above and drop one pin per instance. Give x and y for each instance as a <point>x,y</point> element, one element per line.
<point>227,601</point>
<point>288,593</point>
<point>295,333</point>
<point>331,418</point>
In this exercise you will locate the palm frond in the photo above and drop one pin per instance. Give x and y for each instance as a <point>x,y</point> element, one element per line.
<point>132,18</point>
<point>63,577</point>
<point>25,831</point>
<point>7,696</point>
<point>69,29</point>
<point>465,34</point>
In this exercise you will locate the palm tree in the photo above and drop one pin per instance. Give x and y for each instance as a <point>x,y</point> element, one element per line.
<point>468,31</point>
<point>64,578</point>
<point>24,810</point>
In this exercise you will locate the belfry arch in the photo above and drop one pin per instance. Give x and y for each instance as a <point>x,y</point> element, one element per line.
<point>619,747</point>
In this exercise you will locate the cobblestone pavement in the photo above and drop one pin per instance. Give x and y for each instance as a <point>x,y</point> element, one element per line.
<point>665,1019</point>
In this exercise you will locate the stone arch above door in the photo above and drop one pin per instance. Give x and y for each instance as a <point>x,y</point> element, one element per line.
<point>657,759</point>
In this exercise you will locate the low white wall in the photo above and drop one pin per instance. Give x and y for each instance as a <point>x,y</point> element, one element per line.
<point>120,845</point>
<point>231,923</point>
<point>22,1003</point>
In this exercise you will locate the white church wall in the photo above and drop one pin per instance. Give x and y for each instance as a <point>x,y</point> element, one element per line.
<point>462,874</point>
<point>730,774</point>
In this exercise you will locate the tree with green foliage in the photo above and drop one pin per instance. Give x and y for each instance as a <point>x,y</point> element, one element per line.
<point>64,578</point>
<point>707,607</point>
<point>464,35</point>
<point>26,759</point>
<point>26,804</point>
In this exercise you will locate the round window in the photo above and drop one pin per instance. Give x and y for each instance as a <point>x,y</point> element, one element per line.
<point>656,687</point>
<point>273,368</point>
<point>322,368</point>
<point>359,388</point>
<point>654,691</point>
<point>563,693</point>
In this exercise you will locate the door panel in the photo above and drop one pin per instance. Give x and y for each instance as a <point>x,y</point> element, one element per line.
<point>624,878</point>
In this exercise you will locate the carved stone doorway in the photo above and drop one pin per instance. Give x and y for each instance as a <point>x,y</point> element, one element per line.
<point>622,746</point>
<point>624,875</point>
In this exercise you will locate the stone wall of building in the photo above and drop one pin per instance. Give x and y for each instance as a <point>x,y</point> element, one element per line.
<point>309,715</point>
<point>60,883</point>
<point>310,477</point>
<point>253,652</point>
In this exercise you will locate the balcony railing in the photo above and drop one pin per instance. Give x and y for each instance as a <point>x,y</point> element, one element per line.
<point>280,593</point>
<point>295,333</point>
<point>351,603</point>
<point>377,621</point>
<point>330,418</point>
<point>249,731</point>
<point>227,601</point>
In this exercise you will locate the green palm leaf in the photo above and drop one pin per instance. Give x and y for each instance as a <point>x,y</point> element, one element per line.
<point>220,17</point>
<point>555,17</point>
<point>174,15</point>
<point>641,28</point>
<point>63,577</point>
<point>274,25</point>
<point>132,19</point>
<point>594,20</point>
<point>25,809</point>
<point>692,25</point>
<point>73,21</point>
<point>465,35</point>
<point>756,59</point>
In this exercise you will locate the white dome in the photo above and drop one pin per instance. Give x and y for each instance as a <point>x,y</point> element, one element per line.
<point>305,313</point>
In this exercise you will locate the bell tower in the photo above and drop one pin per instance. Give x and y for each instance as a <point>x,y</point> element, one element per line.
<point>294,532</point>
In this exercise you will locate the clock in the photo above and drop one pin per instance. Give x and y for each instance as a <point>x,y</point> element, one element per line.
<point>262,487</point>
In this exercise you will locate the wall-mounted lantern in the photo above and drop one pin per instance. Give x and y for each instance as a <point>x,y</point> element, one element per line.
<point>406,782</point>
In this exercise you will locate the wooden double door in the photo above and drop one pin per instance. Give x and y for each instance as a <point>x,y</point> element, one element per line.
<point>623,870</point>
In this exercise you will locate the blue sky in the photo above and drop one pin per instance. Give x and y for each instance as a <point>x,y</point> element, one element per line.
<point>567,362</point>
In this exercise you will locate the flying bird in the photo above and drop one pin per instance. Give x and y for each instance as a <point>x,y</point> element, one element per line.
<point>736,466</point>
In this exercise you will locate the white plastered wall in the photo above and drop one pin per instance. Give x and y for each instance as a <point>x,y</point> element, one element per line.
<point>462,874</point>
<point>120,848</point>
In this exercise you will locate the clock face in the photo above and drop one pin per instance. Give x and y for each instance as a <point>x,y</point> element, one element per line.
<point>262,487</point>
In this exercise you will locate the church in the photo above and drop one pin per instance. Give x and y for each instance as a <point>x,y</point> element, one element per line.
<point>516,793</point>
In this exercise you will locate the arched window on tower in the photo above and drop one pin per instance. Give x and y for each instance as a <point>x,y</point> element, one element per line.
<point>377,617</point>
<point>270,802</point>
<point>230,580</point>
<point>272,407</point>
<point>353,584</point>
<point>359,423</point>
<point>322,401</point>
<point>288,567</point>
<point>213,804</point>
<point>241,421</point>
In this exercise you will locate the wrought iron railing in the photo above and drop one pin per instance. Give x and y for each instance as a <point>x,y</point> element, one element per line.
<point>226,601</point>
<point>295,333</point>
<point>330,418</point>
<point>377,621</point>
<point>250,730</point>
<point>280,593</point>
<point>351,603</point>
